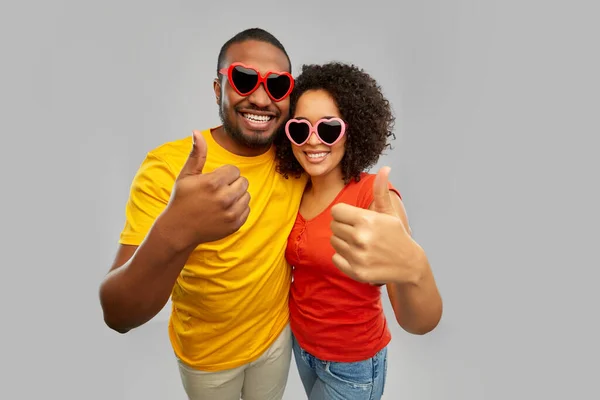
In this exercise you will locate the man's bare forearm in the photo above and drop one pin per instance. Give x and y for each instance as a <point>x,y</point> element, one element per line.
<point>134,293</point>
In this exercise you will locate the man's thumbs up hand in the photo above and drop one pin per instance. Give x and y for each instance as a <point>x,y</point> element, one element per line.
<point>197,158</point>
<point>205,207</point>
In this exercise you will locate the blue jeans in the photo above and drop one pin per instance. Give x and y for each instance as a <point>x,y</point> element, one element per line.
<point>328,380</point>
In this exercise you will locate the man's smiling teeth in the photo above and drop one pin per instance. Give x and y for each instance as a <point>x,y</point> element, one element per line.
<point>257,118</point>
<point>316,155</point>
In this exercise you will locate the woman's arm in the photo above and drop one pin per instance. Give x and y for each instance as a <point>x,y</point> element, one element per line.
<point>375,245</point>
<point>415,298</point>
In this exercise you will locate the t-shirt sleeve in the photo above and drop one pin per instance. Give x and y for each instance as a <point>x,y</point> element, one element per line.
<point>366,191</point>
<point>149,194</point>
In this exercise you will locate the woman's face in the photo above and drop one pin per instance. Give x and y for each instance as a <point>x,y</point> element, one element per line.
<point>317,158</point>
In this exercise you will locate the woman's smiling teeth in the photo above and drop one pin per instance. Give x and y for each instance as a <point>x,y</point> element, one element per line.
<point>316,158</point>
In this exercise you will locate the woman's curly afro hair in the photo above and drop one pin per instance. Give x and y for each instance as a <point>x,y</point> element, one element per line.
<point>362,106</point>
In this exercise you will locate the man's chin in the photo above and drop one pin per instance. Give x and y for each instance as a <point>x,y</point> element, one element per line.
<point>253,139</point>
<point>258,138</point>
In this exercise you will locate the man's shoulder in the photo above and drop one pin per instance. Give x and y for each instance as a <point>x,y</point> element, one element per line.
<point>175,152</point>
<point>177,148</point>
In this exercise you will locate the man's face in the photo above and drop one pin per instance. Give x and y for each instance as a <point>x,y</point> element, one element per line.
<point>252,120</point>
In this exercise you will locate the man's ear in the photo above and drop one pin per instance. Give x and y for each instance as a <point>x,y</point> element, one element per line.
<point>217,89</point>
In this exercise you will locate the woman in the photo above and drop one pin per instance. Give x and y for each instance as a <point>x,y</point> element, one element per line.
<point>340,125</point>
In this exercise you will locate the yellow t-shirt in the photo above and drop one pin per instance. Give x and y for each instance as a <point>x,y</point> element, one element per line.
<point>230,301</point>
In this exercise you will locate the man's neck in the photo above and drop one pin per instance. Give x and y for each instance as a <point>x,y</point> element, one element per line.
<point>229,144</point>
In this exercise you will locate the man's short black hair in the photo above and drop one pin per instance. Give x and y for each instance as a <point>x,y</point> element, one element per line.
<point>257,34</point>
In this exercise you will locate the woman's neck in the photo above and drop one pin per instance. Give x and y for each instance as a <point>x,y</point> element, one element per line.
<point>323,185</point>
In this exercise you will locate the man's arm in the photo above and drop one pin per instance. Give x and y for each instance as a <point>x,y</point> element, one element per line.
<point>200,208</point>
<point>140,280</point>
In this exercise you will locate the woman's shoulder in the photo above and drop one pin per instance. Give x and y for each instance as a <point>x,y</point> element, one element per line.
<point>365,181</point>
<point>359,192</point>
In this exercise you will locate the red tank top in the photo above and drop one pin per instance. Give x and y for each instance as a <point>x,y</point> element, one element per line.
<point>332,316</point>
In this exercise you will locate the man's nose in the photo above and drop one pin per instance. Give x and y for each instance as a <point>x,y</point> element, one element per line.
<point>259,97</point>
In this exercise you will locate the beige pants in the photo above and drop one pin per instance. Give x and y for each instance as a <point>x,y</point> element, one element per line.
<point>263,379</point>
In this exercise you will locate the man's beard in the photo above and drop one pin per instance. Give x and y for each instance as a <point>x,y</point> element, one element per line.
<point>254,141</point>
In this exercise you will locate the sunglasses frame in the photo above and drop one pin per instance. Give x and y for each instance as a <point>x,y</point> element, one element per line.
<point>262,79</point>
<point>315,129</point>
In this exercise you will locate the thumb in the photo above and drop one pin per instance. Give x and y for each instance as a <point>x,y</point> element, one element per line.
<point>381,192</point>
<point>195,162</point>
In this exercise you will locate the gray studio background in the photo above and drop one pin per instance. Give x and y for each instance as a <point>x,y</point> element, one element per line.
<point>496,156</point>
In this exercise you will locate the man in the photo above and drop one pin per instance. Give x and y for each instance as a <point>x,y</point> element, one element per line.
<point>209,228</point>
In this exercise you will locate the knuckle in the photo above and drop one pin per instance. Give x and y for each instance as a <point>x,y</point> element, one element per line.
<point>232,170</point>
<point>230,216</point>
<point>225,201</point>
<point>367,219</point>
<point>213,182</point>
<point>362,238</point>
<point>361,259</point>
<point>240,194</point>
<point>362,274</point>
<point>240,221</point>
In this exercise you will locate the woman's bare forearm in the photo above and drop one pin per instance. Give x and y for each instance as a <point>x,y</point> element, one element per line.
<point>417,303</point>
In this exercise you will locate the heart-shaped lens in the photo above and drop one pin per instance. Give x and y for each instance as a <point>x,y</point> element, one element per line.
<point>298,132</point>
